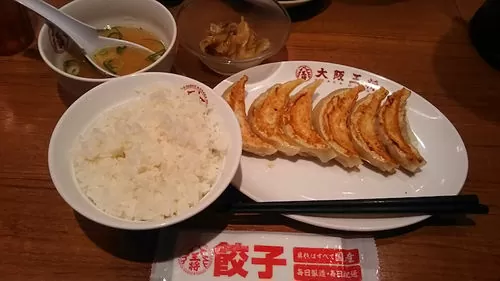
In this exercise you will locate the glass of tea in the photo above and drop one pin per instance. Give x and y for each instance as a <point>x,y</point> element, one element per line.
<point>484,28</point>
<point>16,31</point>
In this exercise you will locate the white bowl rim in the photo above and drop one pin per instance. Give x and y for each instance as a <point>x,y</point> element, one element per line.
<point>44,30</point>
<point>120,223</point>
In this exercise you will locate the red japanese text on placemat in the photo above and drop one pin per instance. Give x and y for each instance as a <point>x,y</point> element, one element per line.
<point>329,256</point>
<point>314,272</point>
<point>268,256</point>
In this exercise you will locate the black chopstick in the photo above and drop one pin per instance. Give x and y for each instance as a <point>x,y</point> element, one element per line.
<point>459,204</point>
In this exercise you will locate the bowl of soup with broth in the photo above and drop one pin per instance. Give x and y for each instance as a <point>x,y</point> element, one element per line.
<point>149,24</point>
<point>121,60</point>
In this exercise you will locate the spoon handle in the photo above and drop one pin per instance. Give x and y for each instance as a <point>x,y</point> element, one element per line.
<point>81,33</point>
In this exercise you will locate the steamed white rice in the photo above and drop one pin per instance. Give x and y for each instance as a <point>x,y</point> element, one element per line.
<point>151,157</point>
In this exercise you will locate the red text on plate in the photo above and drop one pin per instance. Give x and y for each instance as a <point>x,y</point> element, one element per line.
<point>193,89</point>
<point>338,75</point>
<point>303,72</point>
<point>373,81</point>
<point>321,73</point>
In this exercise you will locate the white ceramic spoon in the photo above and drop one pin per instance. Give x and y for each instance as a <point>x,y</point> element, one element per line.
<point>85,37</point>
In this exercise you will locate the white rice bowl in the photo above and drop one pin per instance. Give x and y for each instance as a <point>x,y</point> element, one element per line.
<point>151,157</point>
<point>132,154</point>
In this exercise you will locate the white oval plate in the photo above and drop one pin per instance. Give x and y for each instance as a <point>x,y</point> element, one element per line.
<point>281,179</point>
<point>292,3</point>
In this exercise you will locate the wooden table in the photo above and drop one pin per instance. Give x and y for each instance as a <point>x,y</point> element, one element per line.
<point>422,44</point>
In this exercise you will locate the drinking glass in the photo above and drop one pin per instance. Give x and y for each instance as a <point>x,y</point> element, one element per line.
<point>16,31</point>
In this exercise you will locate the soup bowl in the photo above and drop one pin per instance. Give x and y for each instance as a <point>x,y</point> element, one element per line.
<point>149,15</point>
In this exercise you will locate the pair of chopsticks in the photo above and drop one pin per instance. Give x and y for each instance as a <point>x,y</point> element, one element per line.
<point>458,204</point>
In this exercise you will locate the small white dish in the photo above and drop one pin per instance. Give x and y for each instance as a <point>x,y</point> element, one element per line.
<point>281,179</point>
<point>84,110</point>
